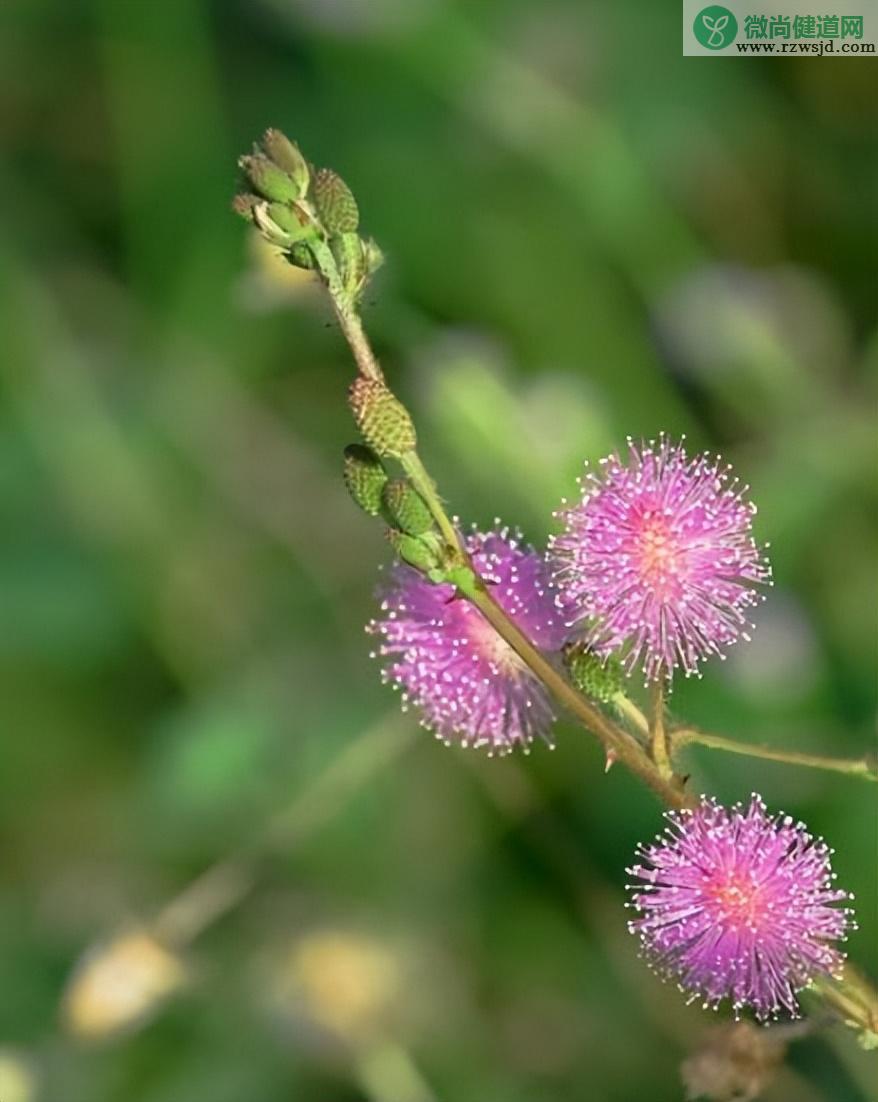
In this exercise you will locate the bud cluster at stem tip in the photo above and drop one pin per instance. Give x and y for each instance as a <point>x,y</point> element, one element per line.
<point>303,211</point>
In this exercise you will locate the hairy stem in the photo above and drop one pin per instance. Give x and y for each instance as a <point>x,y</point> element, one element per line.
<point>657,736</point>
<point>629,711</point>
<point>613,737</point>
<point>346,312</point>
<point>426,487</point>
<point>864,767</point>
<point>852,996</point>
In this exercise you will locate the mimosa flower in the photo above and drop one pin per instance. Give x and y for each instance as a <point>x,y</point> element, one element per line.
<point>658,560</point>
<point>468,683</point>
<point>739,904</point>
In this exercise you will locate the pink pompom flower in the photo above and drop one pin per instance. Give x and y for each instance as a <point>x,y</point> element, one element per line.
<point>657,560</point>
<point>738,904</point>
<point>467,682</point>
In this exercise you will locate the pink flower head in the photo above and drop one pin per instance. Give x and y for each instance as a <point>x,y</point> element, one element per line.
<point>737,904</point>
<point>468,683</point>
<point>658,559</point>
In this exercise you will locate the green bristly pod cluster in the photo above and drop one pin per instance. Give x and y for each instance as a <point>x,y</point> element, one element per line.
<point>596,677</point>
<point>411,530</point>
<point>303,211</point>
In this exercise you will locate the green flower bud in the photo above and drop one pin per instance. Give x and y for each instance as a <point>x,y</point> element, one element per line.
<point>269,229</point>
<point>405,508</point>
<point>286,156</point>
<point>269,180</point>
<point>294,220</point>
<point>413,551</point>
<point>381,418</point>
<point>365,477</point>
<point>599,678</point>
<point>245,204</point>
<point>335,203</point>
<point>300,256</point>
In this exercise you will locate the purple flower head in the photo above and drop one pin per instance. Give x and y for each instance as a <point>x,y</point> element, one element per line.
<point>658,559</point>
<point>738,904</point>
<point>469,684</point>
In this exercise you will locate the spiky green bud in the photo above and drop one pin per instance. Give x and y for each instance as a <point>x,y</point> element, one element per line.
<point>269,180</point>
<point>599,678</point>
<point>365,477</point>
<point>405,508</point>
<point>286,156</point>
<point>381,418</point>
<point>414,552</point>
<point>335,202</point>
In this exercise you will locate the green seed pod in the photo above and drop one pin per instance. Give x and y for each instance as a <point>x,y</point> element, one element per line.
<point>335,202</point>
<point>413,551</point>
<point>286,156</point>
<point>381,418</point>
<point>599,678</point>
<point>405,508</point>
<point>269,180</point>
<point>365,477</point>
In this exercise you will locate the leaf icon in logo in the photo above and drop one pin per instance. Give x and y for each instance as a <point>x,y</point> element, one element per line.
<point>716,27</point>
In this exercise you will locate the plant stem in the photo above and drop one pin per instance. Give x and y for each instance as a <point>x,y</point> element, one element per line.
<point>657,774</point>
<point>352,327</point>
<point>426,487</point>
<point>613,737</point>
<point>658,738</point>
<point>852,997</point>
<point>346,312</point>
<point>854,767</point>
<point>627,708</point>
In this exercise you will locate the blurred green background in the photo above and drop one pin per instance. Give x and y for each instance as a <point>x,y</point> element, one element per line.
<point>203,785</point>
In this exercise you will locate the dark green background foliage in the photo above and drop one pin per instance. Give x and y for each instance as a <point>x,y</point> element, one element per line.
<point>587,236</point>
